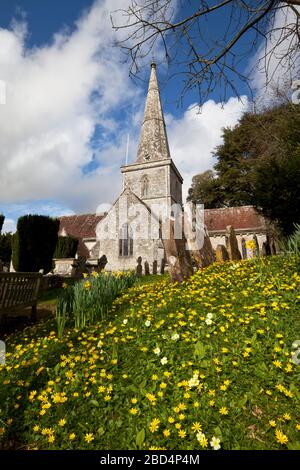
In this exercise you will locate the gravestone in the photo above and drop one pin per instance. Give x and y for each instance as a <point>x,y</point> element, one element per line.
<point>154,267</point>
<point>139,268</point>
<point>178,257</point>
<point>147,269</point>
<point>162,266</point>
<point>244,248</point>
<point>221,254</point>
<point>205,255</point>
<point>256,251</point>
<point>102,262</point>
<point>232,244</point>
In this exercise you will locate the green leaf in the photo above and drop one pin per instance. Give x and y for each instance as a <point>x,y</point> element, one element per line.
<point>218,432</point>
<point>199,350</point>
<point>140,437</point>
<point>94,403</point>
<point>204,364</point>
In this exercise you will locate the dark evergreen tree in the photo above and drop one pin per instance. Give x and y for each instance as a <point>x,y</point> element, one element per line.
<point>34,243</point>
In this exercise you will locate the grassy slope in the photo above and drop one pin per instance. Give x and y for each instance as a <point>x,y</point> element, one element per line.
<point>95,379</point>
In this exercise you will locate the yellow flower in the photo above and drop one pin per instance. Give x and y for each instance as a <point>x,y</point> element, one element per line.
<point>51,438</point>
<point>250,244</point>
<point>223,410</point>
<point>280,437</point>
<point>202,439</point>
<point>62,422</point>
<point>166,433</point>
<point>72,436</point>
<point>298,426</point>
<point>89,437</point>
<point>133,411</point>
<point>154,425</point>
<point>181,434</point>
<point>196,427</point>
<point>287,417</point>
<point>272,423</point>
<point>36,428</point>
<point>134,401</point>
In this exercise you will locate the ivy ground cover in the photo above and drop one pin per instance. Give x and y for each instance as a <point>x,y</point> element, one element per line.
<point>211,363</point>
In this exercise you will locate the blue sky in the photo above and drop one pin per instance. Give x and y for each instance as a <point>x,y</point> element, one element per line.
<point>70,105</point>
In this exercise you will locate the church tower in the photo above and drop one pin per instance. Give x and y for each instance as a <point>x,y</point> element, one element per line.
<point>153,177</point>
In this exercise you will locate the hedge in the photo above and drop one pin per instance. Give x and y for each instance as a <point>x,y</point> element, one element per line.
<point>1,221</point>
<point>5,247</point>
<point>34,243</point>
<point>66,247</point>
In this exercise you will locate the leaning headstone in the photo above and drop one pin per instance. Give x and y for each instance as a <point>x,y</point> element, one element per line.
<point>162,266</point>
<point>221,254</point>
<point>232,244</point>
<point>154,267</point>
<point>139,268</point>
<point>205,255</point>
<point>102,262</point>
<point>256,250</point>
<point>147,269</point>
<point>244,248</point>
<point>178,256</point>
<point>264,249</point>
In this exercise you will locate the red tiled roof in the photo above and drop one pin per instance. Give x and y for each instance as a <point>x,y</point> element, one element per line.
<point>80,226</point>
<point>241,218</point>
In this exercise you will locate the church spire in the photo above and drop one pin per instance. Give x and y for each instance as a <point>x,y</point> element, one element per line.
<point>153,141</point>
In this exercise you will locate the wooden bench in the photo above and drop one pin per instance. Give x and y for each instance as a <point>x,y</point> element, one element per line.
<point>18,291</point>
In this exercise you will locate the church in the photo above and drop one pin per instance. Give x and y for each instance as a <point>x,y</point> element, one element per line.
<point>151,187</point>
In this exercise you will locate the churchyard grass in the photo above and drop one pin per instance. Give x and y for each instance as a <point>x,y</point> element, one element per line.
<point>208,364</point>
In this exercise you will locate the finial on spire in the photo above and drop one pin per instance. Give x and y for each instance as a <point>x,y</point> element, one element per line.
<point>153,64</point>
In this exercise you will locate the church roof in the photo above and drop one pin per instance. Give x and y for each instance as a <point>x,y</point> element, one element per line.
<point>243,218</point>
<point>80,226</point>
<point>153,144</point>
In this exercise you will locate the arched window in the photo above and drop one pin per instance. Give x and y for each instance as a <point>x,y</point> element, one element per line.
<point>125,241</point>
<point>145,186</point>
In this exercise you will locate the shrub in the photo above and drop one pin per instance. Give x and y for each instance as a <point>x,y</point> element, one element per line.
<point>34,243</point>
<point>66,247</point>
<point>1,221</point>
<point>5,247</point>
<point>90,299</point>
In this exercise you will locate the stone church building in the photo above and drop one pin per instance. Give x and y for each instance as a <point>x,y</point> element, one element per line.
<point>152,185</point>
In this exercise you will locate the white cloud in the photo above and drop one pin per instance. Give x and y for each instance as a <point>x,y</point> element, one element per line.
<point>58,94</point>
<point>193,137</point>
<point>50,114</point>
<point>277,61</point>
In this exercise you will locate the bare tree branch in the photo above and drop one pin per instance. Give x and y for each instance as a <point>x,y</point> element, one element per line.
<point>208,61</point>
